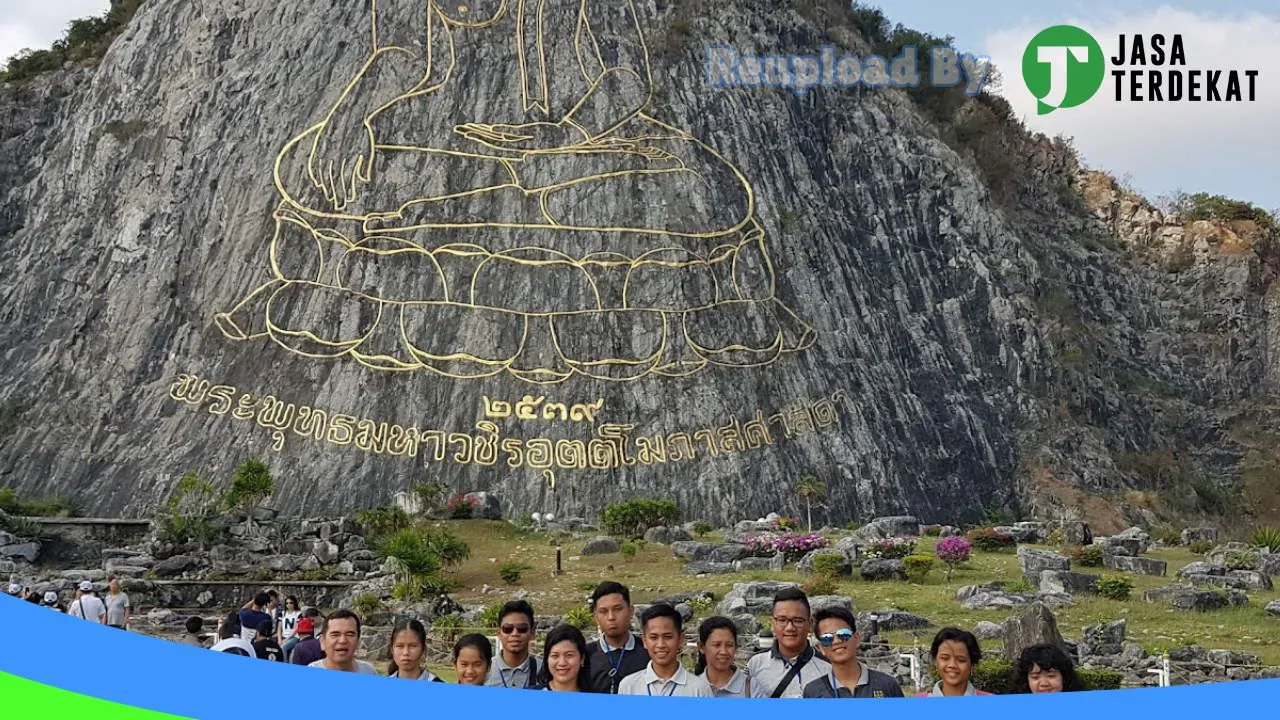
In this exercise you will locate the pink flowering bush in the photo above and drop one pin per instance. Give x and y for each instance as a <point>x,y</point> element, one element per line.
<point>953,551</point>
<point>461,507</point>
<point>791,545</point>
<point>894,547</point>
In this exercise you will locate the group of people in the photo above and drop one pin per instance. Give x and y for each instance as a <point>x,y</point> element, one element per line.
<point>113,609</point>
<point>621,662</point>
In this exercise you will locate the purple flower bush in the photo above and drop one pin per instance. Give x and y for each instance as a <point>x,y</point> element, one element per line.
<point>953,551</point>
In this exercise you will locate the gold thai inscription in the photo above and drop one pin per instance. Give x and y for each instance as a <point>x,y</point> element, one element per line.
<point>613,445</point>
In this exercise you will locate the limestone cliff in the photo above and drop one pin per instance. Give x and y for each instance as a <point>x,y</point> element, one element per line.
<point>535,254</point>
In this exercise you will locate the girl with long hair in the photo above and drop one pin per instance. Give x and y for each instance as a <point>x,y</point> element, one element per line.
<point>472,657</point>
<point>408,647</point>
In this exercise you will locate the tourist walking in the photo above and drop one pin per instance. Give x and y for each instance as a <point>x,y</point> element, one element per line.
<point>86,605</point>
<point>119,609</point>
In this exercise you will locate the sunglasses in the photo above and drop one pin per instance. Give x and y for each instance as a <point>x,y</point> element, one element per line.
<point>510,629</point>
<point>829,639</point>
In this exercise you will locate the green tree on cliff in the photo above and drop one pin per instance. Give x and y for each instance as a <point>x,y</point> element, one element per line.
<point>251,485</point>
<point>810,488</point>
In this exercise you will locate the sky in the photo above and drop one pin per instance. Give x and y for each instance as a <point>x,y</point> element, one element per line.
<point>1157,148</point>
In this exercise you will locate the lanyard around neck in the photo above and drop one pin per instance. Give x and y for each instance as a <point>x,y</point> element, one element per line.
<point>671,688</point>
<point>622,651</point>
<point>502,675</point>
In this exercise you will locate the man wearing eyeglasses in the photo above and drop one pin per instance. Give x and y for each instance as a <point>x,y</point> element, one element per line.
<point>792,663</point>
<point>838,636</point>
<point>515,666</point>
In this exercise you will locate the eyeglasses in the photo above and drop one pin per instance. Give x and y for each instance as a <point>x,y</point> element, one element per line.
<point>828,639</point>
<point>510,629</point>
<point>796,622</point>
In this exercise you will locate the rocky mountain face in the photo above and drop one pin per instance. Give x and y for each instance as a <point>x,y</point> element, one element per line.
<point>531,252</point>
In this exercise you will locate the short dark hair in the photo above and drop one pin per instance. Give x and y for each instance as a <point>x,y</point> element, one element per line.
<point>195,624</point>
<point>516,607</point>
<point>343,614</point>
<point>312,613</point>
<point>836,613</point>
<point>273,594</point>
<point>958,635</point>
<point>792,594</point>
<point>610,587</point>
<point>1046,657</point>
<point>261,599</point>
<point>708,626</point>
<point>477,641</point>
<point>264,628</point>
<point>662,610</point>
<point>230,626</point>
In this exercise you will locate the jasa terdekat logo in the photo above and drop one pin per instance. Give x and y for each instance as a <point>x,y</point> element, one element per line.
<point>1064,66</point>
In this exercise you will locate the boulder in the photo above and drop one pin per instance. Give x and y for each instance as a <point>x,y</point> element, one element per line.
<point>685,610</point>
<point>1202,568</point>
<point>1125,546</point>
<point>1222,581</point>
<point>126,571</point>
<point>26,550</point>
<point>1104,639</point>
<point>883,569</point>
<point>708,567</point>
<point>1191,535</point>
<point>685,597</point>
<point>1142,566</point>
<point>819,602</point>
<point>1033,530</point>
<point>1065,581</point>
<point>748,564</point>
<point>1033,626</point>
<point>1273,608</point>
<point>325,552</point>
<point>729,552</point>
<point>747,623</point>
<point>205,599</point>
<point>602,545</point>
<point>1075,532</point>
<point>1033,562</point>
<point>888,619</point>
<point>176,565</point>
<point>1134,535</point>
<point>987,630</point>
<point>692,550</point>
<point>751,597</point>
<point>1219,555</point>
<point>487,505</point>
<point>281,563</point>
<point>887,527</point>
<point>1251,579</point>
<point>1186,598</point>
<point>1268,564</point>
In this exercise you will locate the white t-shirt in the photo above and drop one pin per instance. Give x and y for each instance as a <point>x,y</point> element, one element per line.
<point>289,624</point>
<point>362,667</point>
<point>237,643</point>
<point>87,607</point>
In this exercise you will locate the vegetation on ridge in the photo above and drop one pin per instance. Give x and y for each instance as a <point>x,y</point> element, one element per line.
<point>86,40</point>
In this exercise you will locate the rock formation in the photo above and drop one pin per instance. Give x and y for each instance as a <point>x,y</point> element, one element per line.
<point>377,250</point>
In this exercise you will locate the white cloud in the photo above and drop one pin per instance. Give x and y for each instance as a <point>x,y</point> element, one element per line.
<point>35,24</point>
<point>1226,148</point>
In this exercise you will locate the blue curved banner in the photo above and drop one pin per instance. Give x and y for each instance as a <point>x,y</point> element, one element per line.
<point>148,674</point>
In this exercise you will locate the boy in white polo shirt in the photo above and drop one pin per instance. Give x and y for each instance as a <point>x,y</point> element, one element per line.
<point>663,635</point>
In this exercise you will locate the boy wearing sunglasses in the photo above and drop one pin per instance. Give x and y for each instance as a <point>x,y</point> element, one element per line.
<point>838,637</point>
<point>515,666</point>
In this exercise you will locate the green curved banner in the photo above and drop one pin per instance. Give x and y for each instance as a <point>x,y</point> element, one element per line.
<point>22,694</point>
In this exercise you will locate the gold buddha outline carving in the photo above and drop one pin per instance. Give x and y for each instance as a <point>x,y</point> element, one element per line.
<point>331,256</point>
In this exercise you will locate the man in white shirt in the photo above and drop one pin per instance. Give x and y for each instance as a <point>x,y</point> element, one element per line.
<point>341,641</point>
<point>87,606</point>
<point>663,635</point>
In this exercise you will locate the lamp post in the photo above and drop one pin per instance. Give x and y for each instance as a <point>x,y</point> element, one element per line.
<point>559,562</point>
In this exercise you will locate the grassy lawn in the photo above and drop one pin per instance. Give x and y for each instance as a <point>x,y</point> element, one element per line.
<point>654,572</point>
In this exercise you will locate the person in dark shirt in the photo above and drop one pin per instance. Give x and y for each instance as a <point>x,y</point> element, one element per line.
<point>618,652</point>
<point>308,649</point>
<point>265,645</point>
<point>837,633</point>
<point>252,615</point>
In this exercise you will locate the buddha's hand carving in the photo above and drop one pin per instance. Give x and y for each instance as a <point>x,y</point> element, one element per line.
<point>342,158</point>
<point>528,137</point>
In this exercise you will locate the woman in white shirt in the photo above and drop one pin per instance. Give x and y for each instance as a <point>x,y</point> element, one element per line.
<point>717,651</point>
<point>287,628</point>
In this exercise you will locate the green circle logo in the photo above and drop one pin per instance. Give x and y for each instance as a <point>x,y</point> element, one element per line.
<point>1063,67</point>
